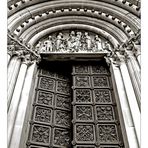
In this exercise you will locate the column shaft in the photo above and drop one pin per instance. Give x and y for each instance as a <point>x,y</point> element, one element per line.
<point>131,99</point>
<point>124,109</point>
<point>23,109</point>
<point>15,100</point>
<point>135,82</point>
<point>136,70</point>
<point>11,68</point>
<point>12,82</point>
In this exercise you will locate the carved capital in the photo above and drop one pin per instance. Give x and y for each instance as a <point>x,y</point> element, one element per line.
<point>137,49</point>
<point>112,59</point>
<point>16,47</point>
<point>130,46</point>
<point>27,59</point>
<point>19,53</point>
<point>10,49</point>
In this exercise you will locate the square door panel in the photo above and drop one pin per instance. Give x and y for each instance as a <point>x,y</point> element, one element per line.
<point>104,113</point>
<point>47,83</point>
<point>82,96</point>
<point>43,115</point>
<point>102,96</point>
<point>40,134</point>
<point>62,118</point>
<point>63,87</point>
<point>61,138</point>
<point>84,133</point>
<point>100,81</point>
<point>107,134</point>
<point>63,102</point>
<point>82,81</point>
<point>83,113</point>
<point>45,98</point>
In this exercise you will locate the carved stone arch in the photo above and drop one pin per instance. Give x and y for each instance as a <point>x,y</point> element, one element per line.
<point>102,10</point>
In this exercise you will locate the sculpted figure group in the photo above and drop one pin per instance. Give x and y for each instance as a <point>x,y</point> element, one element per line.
<point>75,42</point>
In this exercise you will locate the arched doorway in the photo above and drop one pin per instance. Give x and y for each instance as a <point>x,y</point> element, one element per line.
<point>118,23</point>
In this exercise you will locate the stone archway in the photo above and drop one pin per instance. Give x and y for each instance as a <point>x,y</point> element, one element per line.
<point>115,21</point>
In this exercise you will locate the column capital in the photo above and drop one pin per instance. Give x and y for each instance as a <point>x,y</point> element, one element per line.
<point>116,57</point>
<point>10,49</point>
<point>21,50</point>
<point>137,50</point>
<point>27,59</point>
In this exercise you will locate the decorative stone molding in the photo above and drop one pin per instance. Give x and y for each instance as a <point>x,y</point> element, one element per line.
<point>125,50</point>
<point>16,48</point>
<point>115,57</point>
<point>127,5</point>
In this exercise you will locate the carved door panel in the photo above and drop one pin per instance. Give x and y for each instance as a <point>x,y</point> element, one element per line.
<point>74,108</point>
<point>95,119</point>
<point>51,116</point>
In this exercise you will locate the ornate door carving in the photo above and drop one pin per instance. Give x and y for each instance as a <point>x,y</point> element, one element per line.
<point>79,113</point>
<point>95,119</point>
<point>51,117</point>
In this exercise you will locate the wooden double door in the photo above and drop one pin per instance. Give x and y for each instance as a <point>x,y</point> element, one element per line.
<point>74,106</point>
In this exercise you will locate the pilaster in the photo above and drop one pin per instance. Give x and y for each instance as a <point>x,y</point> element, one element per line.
<point>123,108</point>
<point>21,121</point>
<point>134,72</point>
<point>119,58</point>
<point>16,53</point>
<point>16,95</point>
<point>12,76</point>
<point>131,98</point>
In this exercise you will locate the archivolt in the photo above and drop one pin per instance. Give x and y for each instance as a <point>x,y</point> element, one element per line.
<point>37,19</point>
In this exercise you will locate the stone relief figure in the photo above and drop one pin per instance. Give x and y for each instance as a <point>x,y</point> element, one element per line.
<point>49,44</point>
<point>71,41</point>
<point>107,46</point>
<point>97,44</point>
<point>43,49</point>
<point>59,42</point>
<point>88,41</point>
<point>38,47</point>
<point>78,41</point>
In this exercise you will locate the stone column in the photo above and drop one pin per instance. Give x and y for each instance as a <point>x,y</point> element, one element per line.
<point>135,112</point>
<point>16,99</point>
<point>12,79</point>
<point>11,68</point>
<point>126,121</point>
<point>134,72</point>
<point>21,121</point>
